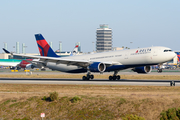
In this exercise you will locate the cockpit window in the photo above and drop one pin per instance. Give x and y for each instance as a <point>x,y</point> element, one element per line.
<point>167,50</point>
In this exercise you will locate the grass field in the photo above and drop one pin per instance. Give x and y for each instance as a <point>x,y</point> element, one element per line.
<point>97,101</point>
<point>18,101</point>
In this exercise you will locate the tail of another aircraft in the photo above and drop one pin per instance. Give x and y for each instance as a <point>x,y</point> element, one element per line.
<point>178,56</point>
<point>75,51</point>
<point>44,48</point>
<point>6,51</point>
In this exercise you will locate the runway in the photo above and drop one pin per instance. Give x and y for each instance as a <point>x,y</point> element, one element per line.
<point>89,82</point>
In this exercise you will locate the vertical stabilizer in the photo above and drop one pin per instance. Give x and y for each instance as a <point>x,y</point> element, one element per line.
<point>44,48</point>
<point>178,56</point>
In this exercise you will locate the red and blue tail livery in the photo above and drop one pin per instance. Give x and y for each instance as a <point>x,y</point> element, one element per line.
<point>178,56</point>
<point>44,48</point>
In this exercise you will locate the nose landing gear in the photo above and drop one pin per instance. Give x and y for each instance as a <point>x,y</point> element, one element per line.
<point>159,70</point>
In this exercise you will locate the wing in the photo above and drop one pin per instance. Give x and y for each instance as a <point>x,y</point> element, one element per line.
<point>65,60</point>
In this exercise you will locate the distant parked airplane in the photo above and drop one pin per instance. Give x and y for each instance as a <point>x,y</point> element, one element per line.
<point>12,63</point>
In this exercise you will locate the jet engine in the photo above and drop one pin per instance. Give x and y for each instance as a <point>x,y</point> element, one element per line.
<point>30,66</point>
<point>143,69</point>
<point>97,67</point>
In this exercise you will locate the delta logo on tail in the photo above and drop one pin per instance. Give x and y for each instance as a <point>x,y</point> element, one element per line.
<point>44,48</point>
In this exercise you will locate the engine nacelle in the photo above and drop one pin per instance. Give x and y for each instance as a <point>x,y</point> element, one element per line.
<point>97,67</point>
<point>144,69</point>
<point>30,66</point>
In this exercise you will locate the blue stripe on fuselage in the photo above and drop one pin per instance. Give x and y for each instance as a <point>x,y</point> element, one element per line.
<point>111,68</point>
<point>122,67</point>
<point>78,71</point>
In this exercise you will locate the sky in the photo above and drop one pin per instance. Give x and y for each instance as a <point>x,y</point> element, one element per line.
<point>135,23</point>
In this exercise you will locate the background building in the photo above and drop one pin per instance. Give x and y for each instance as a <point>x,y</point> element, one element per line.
<point>103,38</point>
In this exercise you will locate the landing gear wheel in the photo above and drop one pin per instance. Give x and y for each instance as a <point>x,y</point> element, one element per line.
<point>92,76</point>
<point>118,77</point>
<point>114,77</point>
<point>110,77</point>
<point>88,77</point>
<point>84,77</point>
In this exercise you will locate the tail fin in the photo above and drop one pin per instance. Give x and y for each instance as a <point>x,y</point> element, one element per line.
<point>178,56</point>
<point>44,48</point>
<point>6,51</point>
<point>74,52</point>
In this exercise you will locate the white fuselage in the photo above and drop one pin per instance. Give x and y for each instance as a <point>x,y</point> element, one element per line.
<point>129,58</point>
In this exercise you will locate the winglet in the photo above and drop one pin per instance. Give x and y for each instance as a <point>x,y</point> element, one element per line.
<point>6,51</point>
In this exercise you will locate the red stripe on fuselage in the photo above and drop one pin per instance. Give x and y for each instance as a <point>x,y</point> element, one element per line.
<point>23,63</point>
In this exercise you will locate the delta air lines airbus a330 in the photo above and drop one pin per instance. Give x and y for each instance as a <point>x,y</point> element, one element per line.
<point>139,59</point>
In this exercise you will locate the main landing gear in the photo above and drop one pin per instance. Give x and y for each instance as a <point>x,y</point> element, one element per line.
<point>88,77</point>
<point>115,76</point>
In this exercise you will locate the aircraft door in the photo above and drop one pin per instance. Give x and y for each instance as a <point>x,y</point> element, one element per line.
<point>154,53</point>
<point>126,56</point>
<point>154,56</point>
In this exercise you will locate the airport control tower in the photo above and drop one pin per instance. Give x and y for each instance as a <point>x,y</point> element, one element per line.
<point>103,38</point>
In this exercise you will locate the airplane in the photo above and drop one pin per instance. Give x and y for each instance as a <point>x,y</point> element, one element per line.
<point>12,63</point>
<point>140,59</point>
